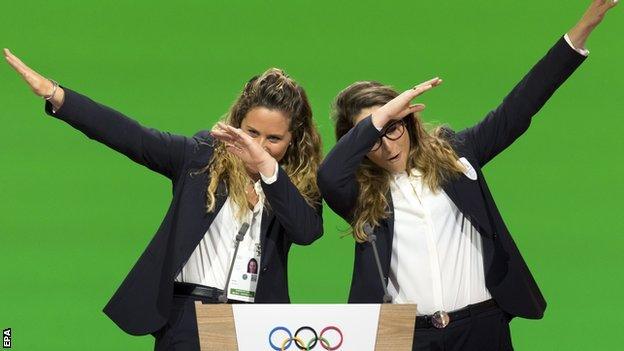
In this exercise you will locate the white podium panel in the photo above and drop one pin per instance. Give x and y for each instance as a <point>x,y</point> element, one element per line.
<point>320,327</point>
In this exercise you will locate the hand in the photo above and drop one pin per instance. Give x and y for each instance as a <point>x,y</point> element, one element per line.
<point>401,106</point>
<point>40,85</point>
<point>256,159</point>
<point>590,20</point>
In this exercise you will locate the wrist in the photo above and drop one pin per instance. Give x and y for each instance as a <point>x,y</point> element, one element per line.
<point>58,99</point>
<point>379,120</point>
<point>266,167</point>
<point>578,34</point>
<point>48,89</point>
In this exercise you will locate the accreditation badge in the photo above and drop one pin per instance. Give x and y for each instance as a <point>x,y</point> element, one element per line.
<point>244,276</point>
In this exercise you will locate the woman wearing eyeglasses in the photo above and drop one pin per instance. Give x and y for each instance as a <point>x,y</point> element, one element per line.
<point>441,241</point>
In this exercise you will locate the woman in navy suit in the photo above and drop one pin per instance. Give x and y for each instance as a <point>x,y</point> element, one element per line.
<point>441,241</point>
<point>253,175</point>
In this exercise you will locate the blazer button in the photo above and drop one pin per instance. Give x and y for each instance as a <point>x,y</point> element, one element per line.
<point>265,268</point>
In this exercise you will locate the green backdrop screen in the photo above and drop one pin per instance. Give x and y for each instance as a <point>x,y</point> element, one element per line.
<point>75,216</point>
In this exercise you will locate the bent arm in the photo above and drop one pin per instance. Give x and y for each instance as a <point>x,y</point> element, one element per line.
<point>337,173</point>
<point>302,222</point>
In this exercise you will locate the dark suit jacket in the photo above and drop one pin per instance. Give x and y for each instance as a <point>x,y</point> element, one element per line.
<point>141,304</point>
<point>507,276</point>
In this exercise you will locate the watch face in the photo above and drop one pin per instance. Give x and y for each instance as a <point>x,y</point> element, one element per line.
<point>440,319</point>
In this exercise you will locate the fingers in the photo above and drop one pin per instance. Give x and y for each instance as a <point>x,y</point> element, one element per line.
<point>606,5</point>
<point>16,63</point>
<point>11,60</point>
<point>222,136</point>
<point>400,106</point>
<point>433,82</point>
<point>242,137</point>
<point>231,145</point>
<point>233,149</point>
<point>228,130</point>
<point>231,135</point>
<point>418,90</point>
<point>422,88</point>
<point>411,109</point>
<point>38,84</point>
<point>416,108</point>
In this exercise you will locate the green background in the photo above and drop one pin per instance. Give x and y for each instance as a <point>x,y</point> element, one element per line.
<point>75,216</point>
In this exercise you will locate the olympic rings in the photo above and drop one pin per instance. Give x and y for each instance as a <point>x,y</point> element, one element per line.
<point>311,343</point>
<point>327,347</point>
<point>288,341</point>
<point>323,341</point>
<point>299,342</point>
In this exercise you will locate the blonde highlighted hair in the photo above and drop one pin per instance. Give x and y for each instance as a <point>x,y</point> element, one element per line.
<point>276,91</point>
<point>430,153</point>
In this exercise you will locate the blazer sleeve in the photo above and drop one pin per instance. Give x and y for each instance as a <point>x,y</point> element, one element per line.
<point>159,151</point>
<point>302,222</point>
<point>502,126</point>
<point>337,174</point>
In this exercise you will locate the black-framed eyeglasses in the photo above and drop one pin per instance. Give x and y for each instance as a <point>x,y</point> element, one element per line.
<point>392,131</point>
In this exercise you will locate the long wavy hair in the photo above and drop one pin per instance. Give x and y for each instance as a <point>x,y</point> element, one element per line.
<point>276,91</point>
<point>430,152</point>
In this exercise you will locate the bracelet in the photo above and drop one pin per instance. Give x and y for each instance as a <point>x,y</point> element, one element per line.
<point>55,86</point>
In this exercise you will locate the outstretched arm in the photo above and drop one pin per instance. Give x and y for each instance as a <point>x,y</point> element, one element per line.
<point>159,151</point>
<point>503,125</point>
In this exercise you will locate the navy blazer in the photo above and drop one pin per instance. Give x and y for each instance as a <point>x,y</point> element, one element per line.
<point>142,302</point>
<point>507,276</point>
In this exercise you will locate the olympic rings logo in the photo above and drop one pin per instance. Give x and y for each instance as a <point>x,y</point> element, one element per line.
<point>299,342</point>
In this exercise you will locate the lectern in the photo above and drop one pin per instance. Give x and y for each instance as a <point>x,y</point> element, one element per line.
<point>352,327</point>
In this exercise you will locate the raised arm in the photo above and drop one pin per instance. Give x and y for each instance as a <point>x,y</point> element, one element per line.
<point>159,151</point>
<point>502,126</point>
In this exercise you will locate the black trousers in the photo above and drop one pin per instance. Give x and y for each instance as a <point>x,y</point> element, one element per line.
<point>486,331</point>
<point>180,332</point>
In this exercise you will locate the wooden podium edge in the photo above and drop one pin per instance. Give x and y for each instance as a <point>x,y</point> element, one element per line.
<point>395,329</point>
<point>216,328</point>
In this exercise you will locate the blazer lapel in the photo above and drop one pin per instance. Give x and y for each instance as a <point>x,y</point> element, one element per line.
<point>221,196</point>
<point>466,195</point>
<point>389,237</point>
<point>267,218</point>
<point>471,197</point>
